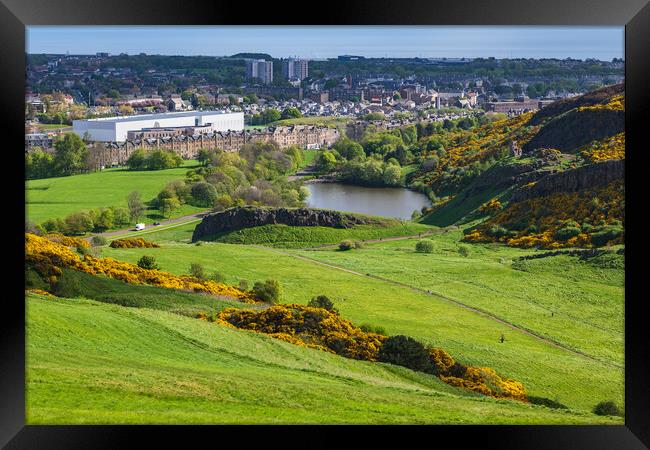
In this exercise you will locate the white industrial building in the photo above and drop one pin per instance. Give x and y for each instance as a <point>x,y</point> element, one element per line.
<point>115,129</point>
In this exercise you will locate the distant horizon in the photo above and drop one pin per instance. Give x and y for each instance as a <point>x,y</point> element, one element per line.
<point>323,42</point>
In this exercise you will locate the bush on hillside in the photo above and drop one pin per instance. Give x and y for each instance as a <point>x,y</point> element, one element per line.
<point>542,401</point>
<point>243,285</point>
<point>148,262</point>
<point>607,408</point>
<point>267,291</point>
<point>368,328</point>
<point>322,301</point>
<point>197,271</point>
<point>137,242</point>
<point>405,351</point>
<point>424,246</point>
<point>98,241</point>
<point>218,277</point>
<point>346,245</point>
<point>463,250</point>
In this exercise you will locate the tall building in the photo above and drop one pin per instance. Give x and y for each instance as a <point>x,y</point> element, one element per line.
<point>260,69</point>
<point>295,68</point>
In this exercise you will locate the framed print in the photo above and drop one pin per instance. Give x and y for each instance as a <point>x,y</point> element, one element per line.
<point>408,219</point>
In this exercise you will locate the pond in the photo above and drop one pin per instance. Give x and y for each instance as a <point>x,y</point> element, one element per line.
<point>387,202</point>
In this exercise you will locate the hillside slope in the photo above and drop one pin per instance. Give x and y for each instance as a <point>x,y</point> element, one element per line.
<point>568,157</point>
<point>97,363</point>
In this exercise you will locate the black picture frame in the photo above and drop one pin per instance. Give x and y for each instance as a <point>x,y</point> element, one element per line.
<point>16,14</point>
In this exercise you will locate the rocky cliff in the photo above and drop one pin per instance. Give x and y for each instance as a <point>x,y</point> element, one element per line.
<point>584,177</point>
<point>247,217</point>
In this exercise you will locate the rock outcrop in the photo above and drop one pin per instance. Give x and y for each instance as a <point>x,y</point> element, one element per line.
<point>585,177</point>
<point>248,217</point>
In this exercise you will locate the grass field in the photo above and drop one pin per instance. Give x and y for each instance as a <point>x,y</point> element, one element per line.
<point>90,362</point>
<point>58,197</point>
<point>546,370</point>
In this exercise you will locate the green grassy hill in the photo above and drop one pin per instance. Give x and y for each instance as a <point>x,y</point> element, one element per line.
<point>57,197</point>
<point>586,368</point>
<point>90,362</point>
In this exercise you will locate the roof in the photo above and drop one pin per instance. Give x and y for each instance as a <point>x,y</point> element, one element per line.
<point>159,116</point>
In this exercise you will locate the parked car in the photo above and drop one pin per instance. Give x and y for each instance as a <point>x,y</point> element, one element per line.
<point>139,226</point>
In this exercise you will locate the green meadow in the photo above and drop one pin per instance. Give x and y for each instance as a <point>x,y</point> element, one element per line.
<point>98,363</point>
<point>57,197</point>
<point>553,355</point>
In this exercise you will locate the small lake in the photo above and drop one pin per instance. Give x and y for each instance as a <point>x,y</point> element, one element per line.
<point>388,202</point>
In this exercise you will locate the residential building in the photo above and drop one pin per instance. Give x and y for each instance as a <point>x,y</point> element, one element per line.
<point>295,68</point>
<point>261,70</point>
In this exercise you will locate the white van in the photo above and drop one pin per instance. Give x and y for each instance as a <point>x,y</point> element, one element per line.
<point>139,226</point>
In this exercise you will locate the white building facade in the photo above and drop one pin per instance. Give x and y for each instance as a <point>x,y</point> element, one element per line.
<point>115,129</point>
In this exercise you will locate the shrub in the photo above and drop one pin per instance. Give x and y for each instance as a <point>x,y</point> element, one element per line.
<point>567,232</point>
<point>346,245</point>
<point>98,241</point>
<point>424,246</point>
<point>606,234</point>
<point>368,328</point>
<point>148,262</point>
<point>137,242</point>
<point>267,291</point>
<point>198,271</point>
<point>405,351</point>
<point>546,402</point>
<point>463,250</point>
<point>243,285</point>
<point>218,277</point>
<point>607,408</point>
<point>322,301</point>
<point>358,244</point>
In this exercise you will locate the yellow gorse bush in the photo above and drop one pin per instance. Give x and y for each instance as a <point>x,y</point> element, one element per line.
<point>548,214</point>
<point>133,243</point>
<point>308,327</point>
<point>49,257</point>
<point>324,330</point>
<point>68,241</point>
<point>605,149</point>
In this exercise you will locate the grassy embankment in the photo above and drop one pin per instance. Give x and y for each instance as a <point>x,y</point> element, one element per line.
<point>57,197</point>
<point>91,362</point>
<point>586,303</point>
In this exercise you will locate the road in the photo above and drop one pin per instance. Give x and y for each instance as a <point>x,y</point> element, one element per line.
<point>164,225</point>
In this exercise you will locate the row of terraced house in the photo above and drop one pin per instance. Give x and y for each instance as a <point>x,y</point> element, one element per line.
<point>303,136</point>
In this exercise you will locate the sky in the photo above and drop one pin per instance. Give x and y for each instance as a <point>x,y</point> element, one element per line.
<point>316,42</point>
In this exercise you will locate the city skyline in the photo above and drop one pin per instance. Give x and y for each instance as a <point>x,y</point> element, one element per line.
<point>319,42</point>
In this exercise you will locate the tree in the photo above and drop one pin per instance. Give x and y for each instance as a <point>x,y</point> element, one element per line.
<point>268,291</point>
<point>104,220</point>
<point>204,156</point>
<point>326,161</point>
<point>79,223</point>
<point>392,175</point>
<point>291,113</point>
<point>70,154</point>
<point>324,302</point>
<point>148,262</point>
<point>137,160</point>
<point>135,205</point>
<point>169,205</point>
<point>204,194</point>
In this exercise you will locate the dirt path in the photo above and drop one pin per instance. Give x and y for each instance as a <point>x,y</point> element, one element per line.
<point>373,241</point>
<point>450,300</point>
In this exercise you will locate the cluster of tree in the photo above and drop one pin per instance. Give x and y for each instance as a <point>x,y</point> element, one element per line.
<point>153,160</point>
<point>265,117</point>
<point>70,157</point>
<point>256,175</point>
<point>96,220</point>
